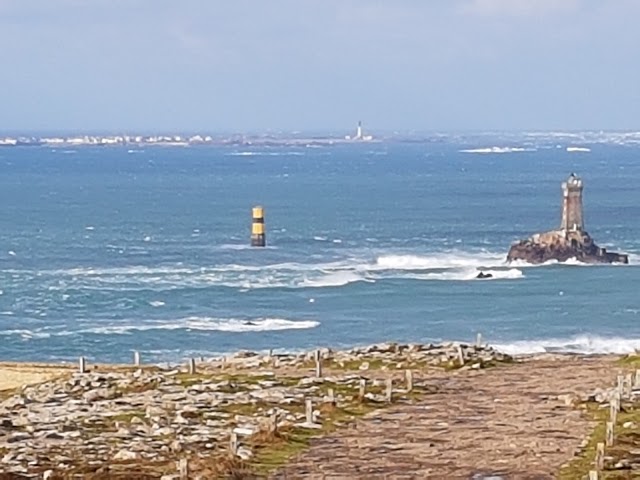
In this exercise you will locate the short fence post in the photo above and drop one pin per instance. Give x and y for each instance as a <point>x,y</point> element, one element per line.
<point>628,385</point>
<point>318,359</point>
<point>136,358</point>
<point>331,395</point>
<point>600,456</point>
<point>273,423</point>
<point>593,475</point>
<point>183,466</point>
<point>609,434</point>
<point>309,411</point>
<point>479,340</point>
<point>389,390</point>
<point>408,375</point>
<point>192,366</point>
<point>363,389</point>
<point>636,379</point>
<point>82,365</point>
<point>233,444</point>
<point>460,355</point>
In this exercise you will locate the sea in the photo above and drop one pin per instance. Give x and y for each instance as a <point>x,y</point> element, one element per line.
<point>109,250</point>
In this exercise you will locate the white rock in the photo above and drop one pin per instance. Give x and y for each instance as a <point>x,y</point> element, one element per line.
<point>126,455</point>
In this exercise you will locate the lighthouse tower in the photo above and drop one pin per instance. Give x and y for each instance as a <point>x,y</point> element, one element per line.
<point>572,217</point>
<point>359,132</point>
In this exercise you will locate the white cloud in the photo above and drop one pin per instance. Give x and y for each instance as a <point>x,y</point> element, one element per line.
<point>520,7</point>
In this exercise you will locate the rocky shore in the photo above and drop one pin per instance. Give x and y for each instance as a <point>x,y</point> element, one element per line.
<point>211,417</point>
<point>560,246</point>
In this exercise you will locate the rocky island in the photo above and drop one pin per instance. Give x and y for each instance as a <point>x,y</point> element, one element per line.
<point>570,241</point>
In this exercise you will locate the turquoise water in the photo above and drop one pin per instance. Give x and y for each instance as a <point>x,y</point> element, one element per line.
<point>108,250</point>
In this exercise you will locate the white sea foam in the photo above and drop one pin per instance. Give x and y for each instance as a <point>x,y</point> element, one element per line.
<point>336,279</point>
<point>589,344</point>
<point>232,325</point>
<point>264,154</point>
<point>156,303</point>
<point>438,261</point>
<point>578,149</point>
<point>498,150</point>
<point>468,274</point>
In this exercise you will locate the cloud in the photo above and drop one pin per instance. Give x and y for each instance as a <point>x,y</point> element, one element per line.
<point>520,8</point>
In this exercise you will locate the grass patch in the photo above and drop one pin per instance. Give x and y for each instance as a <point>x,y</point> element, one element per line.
<point>632,360</point>
<point>581,464</point>
<point>128,416</point>
<point>626,440</point>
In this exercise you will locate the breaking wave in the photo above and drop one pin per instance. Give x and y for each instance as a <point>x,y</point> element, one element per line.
<point>368,268</point>
<point>585,344</point>
<point>438,261</point>
<point>205,324</point>
<point>498,150</point>
<point>470,274</point>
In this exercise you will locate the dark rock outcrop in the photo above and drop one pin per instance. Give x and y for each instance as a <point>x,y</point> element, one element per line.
<point>484,275</point>
<point>562,246</point>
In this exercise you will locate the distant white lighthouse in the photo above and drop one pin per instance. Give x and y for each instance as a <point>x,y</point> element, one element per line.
<point>359,136</point>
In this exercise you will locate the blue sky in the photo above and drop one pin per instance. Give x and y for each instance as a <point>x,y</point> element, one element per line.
<point>240,65</point>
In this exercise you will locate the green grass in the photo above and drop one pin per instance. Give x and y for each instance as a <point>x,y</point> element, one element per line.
<point>127,416</point>
<point>631,360</point>
<point>580,466</point>
<point>626,439</point>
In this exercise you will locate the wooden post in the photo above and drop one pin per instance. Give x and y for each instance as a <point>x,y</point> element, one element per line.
<point>389,390</point>
<point>636,380</point>
<point>620,384</point>
<point>223,364</point>
<point>628,384</point>
<point>363,388</point>
<point>460,355</point>
<point>479,340</point>
<point>192,366</point>
<point>609,434</point>
<point>593,475</point>
<point>233,444</point>
<point>613,412</point>
<point>408,375</point>
<point>600,456</point>
<point>136,358</point>
<point>82,365</point>
<point>318,359</point>
<point>273,423</point>
<point>270,352</point>
<point>331,395</point>
<point>183,467</point>
<point>309,411</point>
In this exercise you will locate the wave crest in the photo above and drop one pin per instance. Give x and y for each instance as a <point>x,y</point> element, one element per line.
<point>585,344</point>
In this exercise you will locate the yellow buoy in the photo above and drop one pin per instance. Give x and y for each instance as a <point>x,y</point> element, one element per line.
<point>258,238</point>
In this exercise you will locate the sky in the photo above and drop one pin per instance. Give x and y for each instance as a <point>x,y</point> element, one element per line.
<point>314,65</point>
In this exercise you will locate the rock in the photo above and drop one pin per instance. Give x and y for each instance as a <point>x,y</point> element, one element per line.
<point>246,431</point>
<point>484,275</point>
<point>244,453</point>
<point>6,423</point>
<point>100,394</point>
<point>47,475</point>
<point>364,366</point>
<point>126,455</point>
<point>628,425</point>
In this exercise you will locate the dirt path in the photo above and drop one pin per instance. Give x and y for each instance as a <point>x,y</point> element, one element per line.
<point>14,375</point>
<point>505,422</point>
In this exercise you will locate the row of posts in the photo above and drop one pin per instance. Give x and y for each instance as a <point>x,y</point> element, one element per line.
<point>624,387</point>
<point>82,363</point>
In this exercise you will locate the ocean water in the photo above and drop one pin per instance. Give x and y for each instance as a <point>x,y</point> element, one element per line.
<point>104,251</point>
